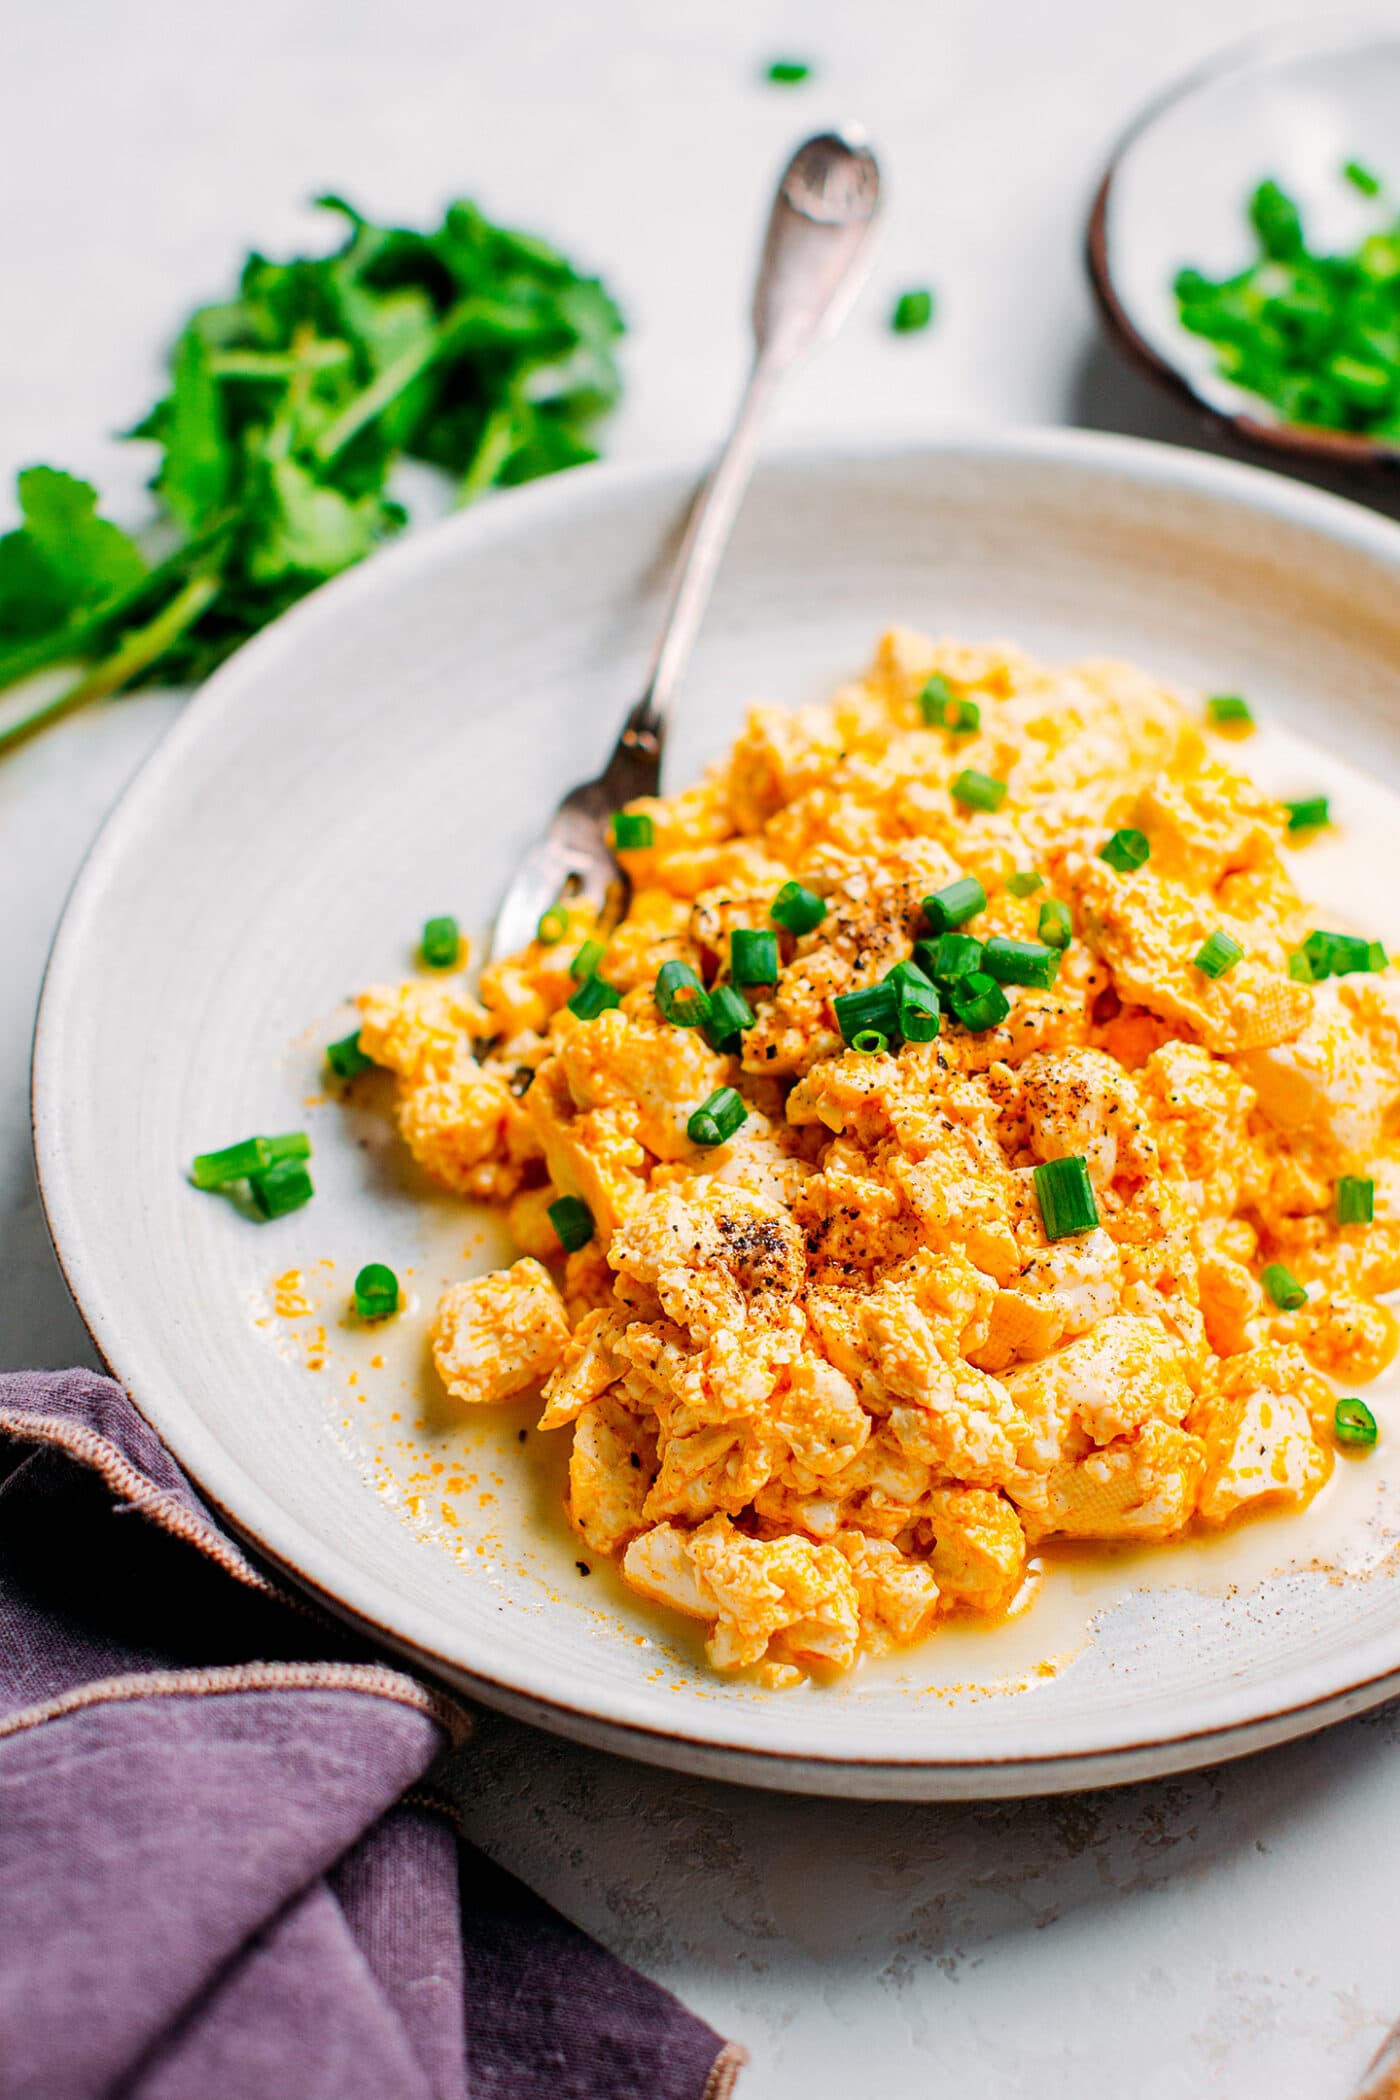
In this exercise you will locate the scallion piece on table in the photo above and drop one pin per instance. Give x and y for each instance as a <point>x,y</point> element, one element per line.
<point>717,1119</point>
<point>912,310</point>
<point>1356,1200</point>
<point>976,790</point>
<point>441,944</point>
<point>1285,1290</point>
<point>730,1014</point>
<point>796,909</point>
<point>376,1291</point>
<point>1361,178</point>
<point>1218,952</point>
<point>1228,711</point>
<point>1308,813</point>
<point>978,1002</point>
<point>875,1007</point>
<point>1126,850</point>
<point>632,831</point>
<point>788,72</point>
<point>680,996</point>
<point>593,997</point>
<point>283,1186</point>
<point>957,902</point>
<point>1021,962</point>
<point>345,1057</point>
<point>572,1221</point>
<point>255,1155</point>
<point>1066,1197</point>
<point>585,963</point>
<point>1354,1425</point>
<point>1025,882</point>
<point>753,956</point>
<point>1054,925</point>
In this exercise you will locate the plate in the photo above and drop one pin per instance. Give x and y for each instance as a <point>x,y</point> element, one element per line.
<point>1296,105</point>
<point>383,754</point>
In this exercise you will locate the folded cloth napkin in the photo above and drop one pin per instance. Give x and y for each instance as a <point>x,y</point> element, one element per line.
<point>225,1873</point>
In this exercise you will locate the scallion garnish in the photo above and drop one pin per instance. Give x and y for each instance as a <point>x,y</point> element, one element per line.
<point>1361,178</point>
<point>593,997</point>
<point>797,910</point>
<point>978,1002</point>
<point>874,1008</point>
<point>1300,967</point>
<point>1054,924</point>
<point>585,963</point>
<point>1342,954</point>
<point>1356,1200</point>
<point>346,1059</point>
<point>632,831</point>
<point>717,1119</point>
<point>957,902</point>
<point>730,1014</point>
<point>976,790</point>
<point>788,72</point>
<point>1025,882</point>
<point>753,956</point>
<point>912,311</point>
<point>1218,953</point>
<point>1285,1290</point>
<point>255,1155</point>
<point>553,926</point>
<point>680,996</point>
<point>376,1291</point>
<point>869,1042</point>
<point>441,944</point>
<point>1309,813</point>
<point>572,1221</point>
<point>1229,711</point>
<point>1126,850</point>
<point>951,956</point>
<point>1066,1197</point>
<point>283,1186</point>
<point>1020,962</point>
<point>1353,1424</point>
<point>942,708</point>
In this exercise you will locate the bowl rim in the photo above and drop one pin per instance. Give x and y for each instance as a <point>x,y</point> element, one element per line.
<point>273,1531</point>
<point>1290,441</point>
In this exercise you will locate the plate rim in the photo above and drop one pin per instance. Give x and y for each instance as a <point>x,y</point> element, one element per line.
<point>275,1532</point>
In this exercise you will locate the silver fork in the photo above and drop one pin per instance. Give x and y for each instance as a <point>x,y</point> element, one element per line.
<point>814,257</point>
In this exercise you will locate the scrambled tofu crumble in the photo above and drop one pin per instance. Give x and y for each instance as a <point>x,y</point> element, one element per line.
<point>828,1374</point>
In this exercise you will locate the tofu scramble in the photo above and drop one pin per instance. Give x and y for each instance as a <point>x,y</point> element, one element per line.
<point>1030,1183</point>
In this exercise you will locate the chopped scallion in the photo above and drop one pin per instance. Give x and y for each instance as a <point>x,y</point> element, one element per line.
<point>753,956</point>
<point>572,1221</point>
<point>1066,1197</point>
<point>1361,178</point>
<point>951,956</point>
<point>1308,813</point>
<point>1285,1290</point>
<point>730,1014</point>
<point>912,311</point>
<point>255,1155</point>
<point>593,997</point>
<point>441,944</point>
<point>797,910</point>
<point>717,1119</point>
<point>283,1186</point>
<point>1025,882</point>
<point>681,996</point>
<point>976,790</point>
<point>978,1002</point>
<point>632,831</point>
<point>1021,962</point>
<point>942,708</point>
<point>1218,953</point>
<point>346,1059</point>
<point>957,902</point>
<point>1229,711</point>
<point>788,72</point>
<point>585,963</point>
<point>1054,925</point>
<point>875,1007</point>
<point>553,926</point>
<point>1126,850</point>
<point>376,1291</point>
<point>1356,1200</point>
<point>1354,1425</point>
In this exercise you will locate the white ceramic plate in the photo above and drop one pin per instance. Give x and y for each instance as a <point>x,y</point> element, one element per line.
<point>1296,105</point>
<point>384,754</point>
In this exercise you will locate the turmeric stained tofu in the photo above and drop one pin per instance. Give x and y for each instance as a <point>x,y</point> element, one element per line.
<point>967,1137</point>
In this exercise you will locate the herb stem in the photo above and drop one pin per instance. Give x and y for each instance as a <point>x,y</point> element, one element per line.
<point>378,396</point>
<point>494,447</point>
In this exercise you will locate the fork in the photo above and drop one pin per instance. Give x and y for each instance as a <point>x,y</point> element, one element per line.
<point>815,254</point>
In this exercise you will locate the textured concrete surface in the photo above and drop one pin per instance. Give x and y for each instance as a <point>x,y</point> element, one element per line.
<point>1232,1932</point>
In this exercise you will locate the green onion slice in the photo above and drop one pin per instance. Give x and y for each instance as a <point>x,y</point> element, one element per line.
<point>912,311</point>
<point>978,1002</point>
<point>585,963</point>
<point>632,831</point>
<point>1353,1424</point>
<point>958,901</point>
<point>283,1186</point>
<point>1308,813</point>
<point>1020,962</point>
<point>788,72</point>
<point>1285,1290</point>
<point>753,956</point>
<point>1361,178</point>
<point>797,910</point>
<point>873,1009</point>
<point>593,997</point>
<point>680,996</point>
<point>717,1119</point>
<point>1126,850</point>
<point>942,708</point>
<point>976,790</point>
<point>1025,882</point>
<point>1054,925</point>
<point>1229,711</point>
<point>255,1155</point>
<point>1356,1200</point>
<point>1217,953</point>
<point>730,1014</point>
<point>553,926</point>
<point>1066,1197</point>
<point>572,1221</point>
<point>376,1291</point>
<point>441,944</point>
<point>1342,954</point>
<point>346,1059</point>
<point>951,956</point>
<point>869,1042</point>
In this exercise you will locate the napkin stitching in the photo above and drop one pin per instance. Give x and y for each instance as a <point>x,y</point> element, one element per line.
<point>373,1678</point>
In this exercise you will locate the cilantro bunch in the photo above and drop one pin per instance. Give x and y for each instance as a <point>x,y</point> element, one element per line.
<point>476,349</point>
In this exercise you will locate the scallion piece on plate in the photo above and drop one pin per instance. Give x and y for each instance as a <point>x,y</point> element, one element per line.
<point>585,963</point>
<point>1356,1200</point>
<point>376,1291</point>
<point>572,1221</point>
<point>441,944</point>
<point>283,1186</point>
<point>912,310</point>
<point>717,1119</point>
<point>753,956</point>
<point>1308,813</point>
<point>346,1059</point>
<point>788,72</point>
<point>215,1170</point>
<point>1229,711</point>
<point>1354,1425</point>
<point>1285,1290</point>
<point>1126,850</point>
<point>1066,1197</point>
<point>680,996</point>
<point>632,831</point>
<point>1217,953</point>
<point>957,902</point>
<point>978,1002</point>
<point>1021,962</point>
<point>875,1007</point>
<point>730,1014</point>
<point>796,909</point>
<point>1361,178</point>
<point>1025,882</point>
<point>553,926</point>
<point>593,997</point>
<point>1054,925</point>
<point>976,790</point>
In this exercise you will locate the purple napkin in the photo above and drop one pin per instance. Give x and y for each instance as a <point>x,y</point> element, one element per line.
<point>224,1870</point>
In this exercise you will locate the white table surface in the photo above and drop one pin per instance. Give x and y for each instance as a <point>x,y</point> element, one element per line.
<point>1233,1932</point>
